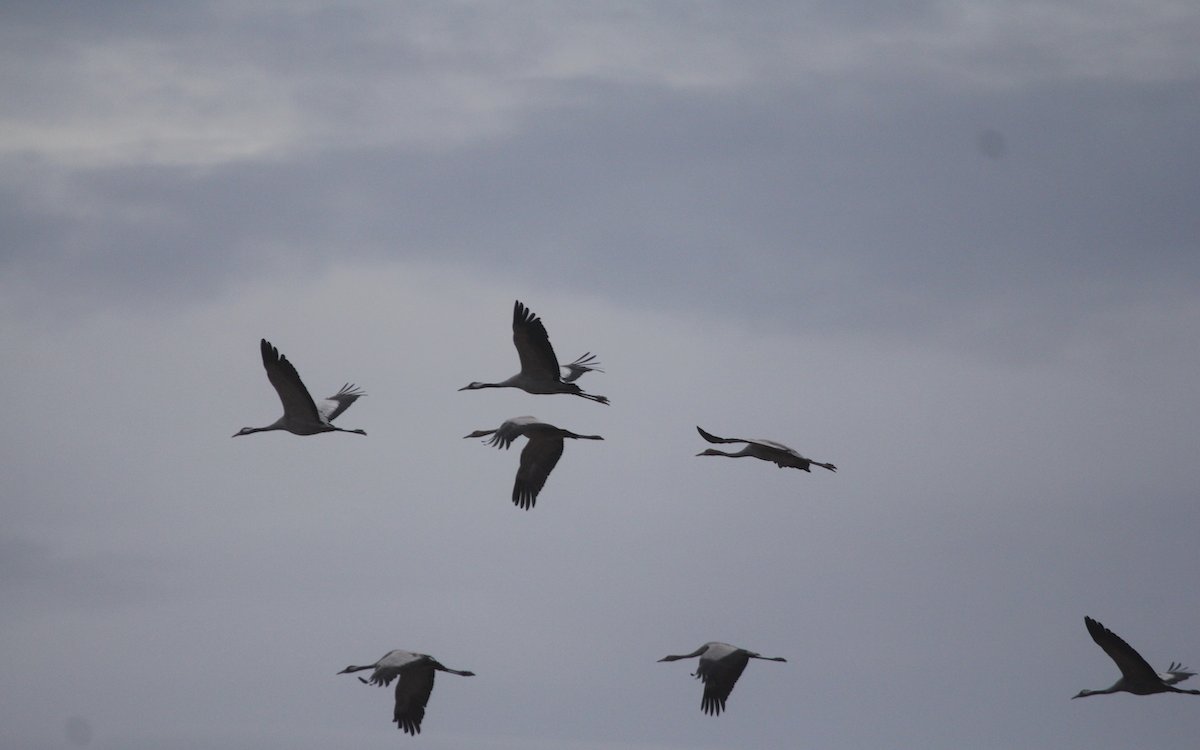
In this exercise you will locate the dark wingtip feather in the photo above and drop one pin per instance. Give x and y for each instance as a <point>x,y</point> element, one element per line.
<point>523,499</point>
<point>522,314</point>
<point>409,726</point>
<point>269,352</point>
<point>712,705</point>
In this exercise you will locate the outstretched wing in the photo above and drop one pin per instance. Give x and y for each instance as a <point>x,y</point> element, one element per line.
<point>1129,661</point>
<point>502,439</point>
<point>533,345</point>
<point>340,401</point>
<point>586,363</point>
<point>538,459</point>
<point>719,677</point>
<point>297,403</point>
<point>412,695</point>
<point>389,667</point>
<point>1176,673</point>
<point>714,439</point>
<point>510,430</point>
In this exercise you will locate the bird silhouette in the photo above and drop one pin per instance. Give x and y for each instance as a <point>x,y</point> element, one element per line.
<point>301,415</point>
<point>538,457</point>
<point>768,450</point>
<point>415,673</point>
<point>1137,676</point>
<point>720,667</point>
<point>540,372</point>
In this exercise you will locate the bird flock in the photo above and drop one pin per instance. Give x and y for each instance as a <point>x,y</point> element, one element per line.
<point>720,664</point>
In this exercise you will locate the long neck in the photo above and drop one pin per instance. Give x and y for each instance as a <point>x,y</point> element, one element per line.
<point>677,657</point>
<point>252,430</point>
<point>767,658</point>
<point>717,452</point>
<point>476,386</point>
<point>461,672</point>
<point>1106,691</point>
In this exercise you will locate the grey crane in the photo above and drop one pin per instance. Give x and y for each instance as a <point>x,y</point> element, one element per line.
<point>768,450</point>
<point>538,457</point>
<point>720,667</point>
<point>540,371</point>
<point>301,415</point>
<point>416,673</point>
<point>1137,676</point>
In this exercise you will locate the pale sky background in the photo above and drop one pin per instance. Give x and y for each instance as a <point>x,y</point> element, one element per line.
<point>949,246</point>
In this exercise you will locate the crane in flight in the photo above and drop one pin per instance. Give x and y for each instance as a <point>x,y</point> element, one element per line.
<point>1137,676</point>
<point>768,450</point>
<point>416,673</point>
<point>720,667</point>
<point>301,415</point>
<point>540,371</point>
<point>538,457</point>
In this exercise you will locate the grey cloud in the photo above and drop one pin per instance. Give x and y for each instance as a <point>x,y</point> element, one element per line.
<point>771,220</point>
<point>770,201</point>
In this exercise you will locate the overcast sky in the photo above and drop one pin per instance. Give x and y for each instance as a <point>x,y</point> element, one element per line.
<point>950,247</point>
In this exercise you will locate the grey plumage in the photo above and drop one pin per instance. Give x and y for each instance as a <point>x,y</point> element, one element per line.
<point>1137,676</point>
<point>540,372</point>
<point>301,415</point>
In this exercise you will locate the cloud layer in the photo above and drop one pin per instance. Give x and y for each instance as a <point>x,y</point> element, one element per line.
<point>946,246</point>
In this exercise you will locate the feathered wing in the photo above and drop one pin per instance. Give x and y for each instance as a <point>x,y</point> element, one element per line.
<point>779,454</point>
<point>297,403</point>
<point>340,401</point>
<point>533,345</point>
<point>719,677</point>
<point>1128,660</point>
<point>783,457</point>
<point>389,667</point>
<point>1176,673</point>
<point>510,430</point>
<point>538,459</point>
<point>502,439</point>
<point>586,363</point>
<point>382,676</point>
<point>714,439</point>
<point>412,695</point>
